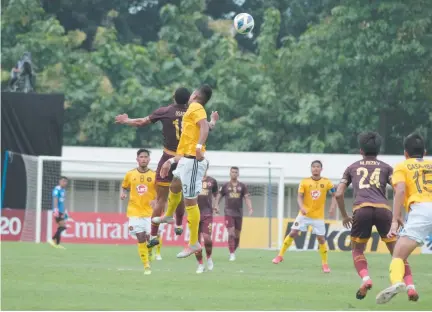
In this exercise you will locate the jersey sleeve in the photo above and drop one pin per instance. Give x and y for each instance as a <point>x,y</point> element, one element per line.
<point>399,174</point>
<point>126,182</point>
<point>157,115</point>
<point>199,114</point>
<point>245,190</point>
<point>215,187</point>
<point>331,187</point>
<point>301,188</point>
<point>346,178</point>
<point>56,193</point>
<point>222,191</point>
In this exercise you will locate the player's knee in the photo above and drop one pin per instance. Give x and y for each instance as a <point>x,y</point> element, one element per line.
<point>321,239</point>
<point>293,233</point>
<point>231,232</point>
<point>207,240</point>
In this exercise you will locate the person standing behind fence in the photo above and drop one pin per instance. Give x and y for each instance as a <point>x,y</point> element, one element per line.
<point>59,211</point>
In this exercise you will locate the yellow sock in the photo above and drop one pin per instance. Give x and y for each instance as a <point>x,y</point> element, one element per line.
<point>158,246</point>
<point>193,218</point>
<point>323,253</point>
<point>397,270</point>
<point>143,252</point>
<point>286,244</point>
<point>173,201</point>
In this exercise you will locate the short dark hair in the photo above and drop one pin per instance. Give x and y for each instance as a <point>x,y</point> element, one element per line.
<point>414,145</point>
<point>143,150</point>
<point>235,168</point>
<point>316,162</point>
<point>63,178</point>
<point>181,96</point>
<point>205,93</point>
<point>370,143</point>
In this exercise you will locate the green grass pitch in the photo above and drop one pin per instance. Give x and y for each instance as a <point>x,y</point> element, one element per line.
<point>105,277</point>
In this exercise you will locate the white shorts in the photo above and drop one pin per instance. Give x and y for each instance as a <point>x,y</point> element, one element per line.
<point>139,225</point>
<point>191,172</point>
<point>419,223</point>
<point>301,223</point>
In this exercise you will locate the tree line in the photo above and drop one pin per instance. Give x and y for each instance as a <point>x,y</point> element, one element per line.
<point>313,75</point>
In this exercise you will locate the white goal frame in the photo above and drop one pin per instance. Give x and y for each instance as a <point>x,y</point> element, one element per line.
<point>39,191</point>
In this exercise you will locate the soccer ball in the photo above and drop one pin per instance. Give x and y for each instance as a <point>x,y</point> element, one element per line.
<point>244,23</point>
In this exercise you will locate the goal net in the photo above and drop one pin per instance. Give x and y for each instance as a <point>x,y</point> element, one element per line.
<point>94,186</point>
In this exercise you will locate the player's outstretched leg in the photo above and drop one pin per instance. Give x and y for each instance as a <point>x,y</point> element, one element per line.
<point>285,245</point>
<point>323,251</point>
<point>404,247</point>
<point>180,211</point>
<point>193,217</point>
<point>361,266</point>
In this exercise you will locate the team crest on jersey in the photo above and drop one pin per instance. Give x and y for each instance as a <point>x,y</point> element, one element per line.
<point>149,179</point>
<point>141,189</point>
<point>322,185</point>
<point>315,194</point>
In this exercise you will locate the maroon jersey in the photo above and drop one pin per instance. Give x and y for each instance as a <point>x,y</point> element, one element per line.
<point>369,178</point>
<point>234,195</point>
<point>171,117</point>
<point>209,189</point>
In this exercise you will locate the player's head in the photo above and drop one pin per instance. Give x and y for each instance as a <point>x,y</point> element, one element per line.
<point>369,143</point>
<point>234,173</point>
<point>143,157</point>
<point>63,182</point>
<point>181,96</point>
<point>316,168</point>
<point>414,146</point>
<point>201,95</point>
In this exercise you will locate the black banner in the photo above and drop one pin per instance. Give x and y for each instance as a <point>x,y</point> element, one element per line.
<point>31,124</point>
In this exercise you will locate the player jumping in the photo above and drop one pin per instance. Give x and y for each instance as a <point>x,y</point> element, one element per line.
<point>205,204</point>
<point>234,191</point>
<point>369,178</point>
<point>140,183</point>
<point>59,211</point>
<point>191,167</point>
<point>171,118</point>
<point>311,199</point>
<point>412,181</point>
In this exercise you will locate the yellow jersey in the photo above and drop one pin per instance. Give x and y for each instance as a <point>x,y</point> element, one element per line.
<point>315,192</point>
<point>190,130</point>
<point>142,191</point>
<point>417,176</point>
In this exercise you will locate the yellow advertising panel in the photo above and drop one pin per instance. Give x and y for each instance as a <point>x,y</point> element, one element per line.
<point>255,234</point>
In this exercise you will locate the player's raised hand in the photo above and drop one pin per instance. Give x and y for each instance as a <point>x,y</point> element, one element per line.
<point>121,119</point>
<point>347,222</point>
<point>214,116</point>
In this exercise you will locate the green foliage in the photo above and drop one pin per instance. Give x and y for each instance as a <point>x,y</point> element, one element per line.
<point>320,72</point>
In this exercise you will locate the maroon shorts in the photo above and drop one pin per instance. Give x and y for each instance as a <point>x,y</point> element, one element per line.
<point>365,218</point>
<point>205,225</point>
<point>235,222</point>
<point>168,179</point>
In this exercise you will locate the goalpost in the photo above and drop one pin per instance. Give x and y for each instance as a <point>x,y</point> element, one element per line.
<point>94,186</point>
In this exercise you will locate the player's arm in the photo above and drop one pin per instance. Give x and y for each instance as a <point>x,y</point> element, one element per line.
<point>333,204</point>
<point>300,198</point>
<point>248,200</point>
<point>55,196</point>
<point>133,122</point>
<point>204,131</point>
<point>125,187</point>
<point>166,167</point>
<point>340,197</point>
<point>219,196</point>
<point>399,185</point>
